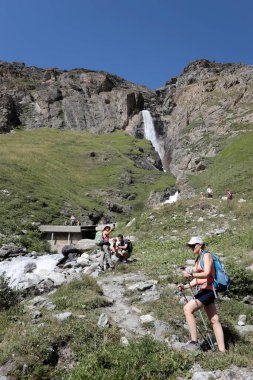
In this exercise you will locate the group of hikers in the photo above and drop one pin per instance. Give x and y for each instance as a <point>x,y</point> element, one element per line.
<point>203,277</point>
<point>119,246</point>
<point>209,194</point>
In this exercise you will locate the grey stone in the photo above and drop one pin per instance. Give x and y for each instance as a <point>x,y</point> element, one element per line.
<point>146,318</point>
<point>242,320</point>
<point>103,321</point>
<point>142,286</point>
<point>63,316</point>
<point>161,328</point>
<point>124,341</point>
<point>36,314</point>
<point>244,330</point>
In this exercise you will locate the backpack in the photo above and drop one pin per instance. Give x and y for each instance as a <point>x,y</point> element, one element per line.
<point>221,282</point>
<point>99,238</point>
<point>129,246</point>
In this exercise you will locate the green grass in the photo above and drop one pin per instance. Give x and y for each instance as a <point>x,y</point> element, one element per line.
<point>50,174</point>
<point>97,353</point>
<point>232,169</point>
<point>30,167</point>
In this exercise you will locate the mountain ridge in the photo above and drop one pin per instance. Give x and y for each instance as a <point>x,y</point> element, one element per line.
<point>193,113</point>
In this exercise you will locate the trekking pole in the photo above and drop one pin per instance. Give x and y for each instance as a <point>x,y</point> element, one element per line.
<point>208,336</point>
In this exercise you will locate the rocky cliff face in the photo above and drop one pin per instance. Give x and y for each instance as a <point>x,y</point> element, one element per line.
<point>193,114</point>
<point>205,105</point>
<point>77,99</point>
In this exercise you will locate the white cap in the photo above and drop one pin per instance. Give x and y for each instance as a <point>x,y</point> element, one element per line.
<point>195,240</point>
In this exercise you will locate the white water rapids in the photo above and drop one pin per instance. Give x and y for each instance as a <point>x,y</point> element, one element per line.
<point>45,266</point>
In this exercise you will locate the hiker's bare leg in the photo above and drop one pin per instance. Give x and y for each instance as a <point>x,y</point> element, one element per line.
<point>189,310</point>
<point>101,258</point>
<point>217,328</point>
<point>107,252</point>
<point>125,254</point>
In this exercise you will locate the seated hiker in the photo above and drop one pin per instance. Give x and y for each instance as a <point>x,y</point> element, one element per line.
<point>124,248</point>
<point>105,257</point>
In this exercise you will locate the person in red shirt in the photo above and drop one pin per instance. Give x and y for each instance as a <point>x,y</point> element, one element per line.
<point>105,248</point>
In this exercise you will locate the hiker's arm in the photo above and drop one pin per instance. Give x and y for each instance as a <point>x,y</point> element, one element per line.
<point>191,284</point>
<point>122,246</point>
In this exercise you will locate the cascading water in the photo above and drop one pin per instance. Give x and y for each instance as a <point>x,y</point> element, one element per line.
<point>150,133</point>
<point>172,198</point>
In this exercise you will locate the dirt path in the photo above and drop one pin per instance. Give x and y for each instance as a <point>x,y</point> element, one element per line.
<point>121,312</point>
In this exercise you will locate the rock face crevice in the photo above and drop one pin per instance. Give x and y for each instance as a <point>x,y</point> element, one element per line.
<point>192,113</point>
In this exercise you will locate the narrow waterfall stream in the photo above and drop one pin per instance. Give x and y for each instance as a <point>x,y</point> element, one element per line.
<point>150,133</point>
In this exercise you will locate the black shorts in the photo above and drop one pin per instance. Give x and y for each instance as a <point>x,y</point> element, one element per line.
<point>205,296</point>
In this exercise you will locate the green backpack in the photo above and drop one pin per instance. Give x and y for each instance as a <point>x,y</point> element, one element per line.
<point>99,238</point>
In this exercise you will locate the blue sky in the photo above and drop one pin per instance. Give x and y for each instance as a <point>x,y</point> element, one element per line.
<point>143,41</point>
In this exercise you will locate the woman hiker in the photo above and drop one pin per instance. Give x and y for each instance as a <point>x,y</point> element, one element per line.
<point>202,279</point>
<point>105,257</point>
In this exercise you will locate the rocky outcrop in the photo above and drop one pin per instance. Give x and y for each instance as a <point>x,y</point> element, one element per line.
<point>78,99</point>
<point>193,114</point>
<point>206,104</point>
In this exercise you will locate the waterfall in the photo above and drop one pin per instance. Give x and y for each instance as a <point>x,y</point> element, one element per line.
<point>150,133</point>
<point>172,198</point>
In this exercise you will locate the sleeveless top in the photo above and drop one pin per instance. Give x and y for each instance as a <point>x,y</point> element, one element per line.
<point>105,237</point>
<point>204,283</point>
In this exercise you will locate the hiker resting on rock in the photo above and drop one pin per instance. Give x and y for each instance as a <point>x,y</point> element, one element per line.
<point>105,257</point>
<point>123,248</point>
<point>202,279</point>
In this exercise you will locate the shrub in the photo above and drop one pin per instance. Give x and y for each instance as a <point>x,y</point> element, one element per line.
<point>242,280</point>
<point>8,297</point>
<point>32,240</point>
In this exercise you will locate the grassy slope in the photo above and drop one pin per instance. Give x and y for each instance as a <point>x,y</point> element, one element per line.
<point>44,169</point>
<point>232,168</point>
<point>159,254</point>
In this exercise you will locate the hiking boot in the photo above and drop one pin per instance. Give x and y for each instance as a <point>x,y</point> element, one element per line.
<point>191,346</point>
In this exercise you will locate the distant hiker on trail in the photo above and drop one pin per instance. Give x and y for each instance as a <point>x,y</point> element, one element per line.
<point>73,220</point>
<point>209,192</point>
<point>105,257</point>
<point>202,279</point>
<point>229,197</point>
<point>202,195</point>
<point>124,248</point>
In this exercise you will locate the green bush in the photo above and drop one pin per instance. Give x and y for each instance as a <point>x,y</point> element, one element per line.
<point>32,240</point>
<point>8,297</point>
<point>142,359</point>
<point>242,280</point>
